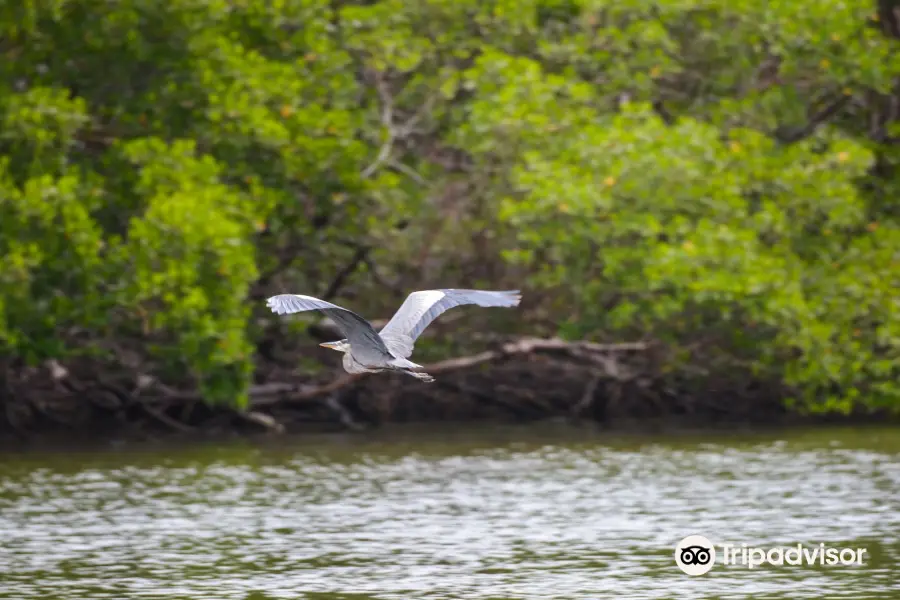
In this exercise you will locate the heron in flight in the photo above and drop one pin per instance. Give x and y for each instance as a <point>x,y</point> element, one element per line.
<point>368,351</point>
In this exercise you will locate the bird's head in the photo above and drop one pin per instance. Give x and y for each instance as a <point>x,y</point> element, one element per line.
<point>340,345</point>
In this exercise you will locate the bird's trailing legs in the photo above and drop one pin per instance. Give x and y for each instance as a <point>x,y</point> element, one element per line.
<point>420,376</point>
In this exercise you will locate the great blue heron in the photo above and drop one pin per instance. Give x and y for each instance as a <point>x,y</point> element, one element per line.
<point>366,351</point>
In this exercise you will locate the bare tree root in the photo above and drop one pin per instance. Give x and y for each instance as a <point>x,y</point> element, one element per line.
<point>599,355</point>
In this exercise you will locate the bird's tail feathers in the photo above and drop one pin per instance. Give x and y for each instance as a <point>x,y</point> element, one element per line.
<point>405,364</point>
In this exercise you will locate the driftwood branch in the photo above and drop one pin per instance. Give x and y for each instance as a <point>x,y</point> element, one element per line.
<point>343,414</point>
<point>275,393</point>
<point>166,420</point>
<point>263,420</point>
<point>158,400</point>
<point>596,354</point>
<point>587,398</point>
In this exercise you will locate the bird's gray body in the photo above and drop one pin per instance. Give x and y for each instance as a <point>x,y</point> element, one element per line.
<point>368,351</point>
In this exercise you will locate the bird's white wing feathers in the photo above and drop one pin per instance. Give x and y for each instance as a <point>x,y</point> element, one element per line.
<point>421,308</point>
<point>397,338</point>
<point>358,331</point>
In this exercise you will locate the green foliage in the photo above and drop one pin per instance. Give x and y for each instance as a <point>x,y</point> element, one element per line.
<point>720,176</point>
<point>724,229</point>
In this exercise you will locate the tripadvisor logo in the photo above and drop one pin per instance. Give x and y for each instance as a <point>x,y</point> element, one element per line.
<point>696,555</point>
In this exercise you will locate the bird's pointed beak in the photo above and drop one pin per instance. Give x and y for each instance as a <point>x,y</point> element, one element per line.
<point>328,345</point>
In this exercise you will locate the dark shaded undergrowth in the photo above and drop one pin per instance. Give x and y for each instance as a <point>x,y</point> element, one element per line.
<point>624,391</point>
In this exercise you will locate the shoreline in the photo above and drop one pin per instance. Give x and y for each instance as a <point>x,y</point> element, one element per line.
<point>358,414</point>
<point>137,438</point>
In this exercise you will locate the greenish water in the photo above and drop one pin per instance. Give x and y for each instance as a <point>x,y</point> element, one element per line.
<point>488,514</point>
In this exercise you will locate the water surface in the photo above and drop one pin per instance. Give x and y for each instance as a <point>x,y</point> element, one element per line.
<point>504,513</point>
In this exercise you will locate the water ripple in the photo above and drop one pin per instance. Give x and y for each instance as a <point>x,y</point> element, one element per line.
<point>463,518</point>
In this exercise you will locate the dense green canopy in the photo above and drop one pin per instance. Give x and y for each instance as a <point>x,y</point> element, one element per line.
<point>720,175</point>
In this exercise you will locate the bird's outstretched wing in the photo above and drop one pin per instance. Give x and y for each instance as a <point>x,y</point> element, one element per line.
<point>421,308</point>
<point>357,330</point>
